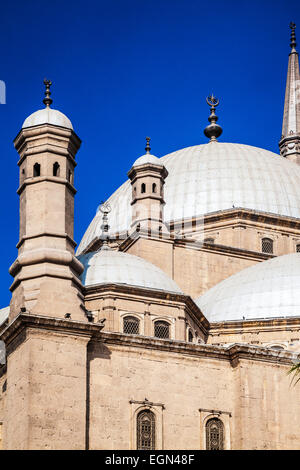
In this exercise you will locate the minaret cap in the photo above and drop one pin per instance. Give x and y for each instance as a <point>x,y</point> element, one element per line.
<point>47,100</point>
<point>293,43</point>
<point>213,130</point>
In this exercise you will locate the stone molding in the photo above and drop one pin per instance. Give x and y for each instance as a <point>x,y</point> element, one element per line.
<point>41,179</point>
<point>268,324</point>
<point>97,290</point>
<point>27,321</point>
<point>232,354</point>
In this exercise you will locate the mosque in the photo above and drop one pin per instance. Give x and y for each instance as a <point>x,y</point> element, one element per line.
<point>176,321</point>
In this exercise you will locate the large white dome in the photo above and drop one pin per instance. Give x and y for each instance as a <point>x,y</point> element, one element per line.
<point>270,289</point>
<point>116,267</point>
<point>213,177</point>
<point>47,116</point>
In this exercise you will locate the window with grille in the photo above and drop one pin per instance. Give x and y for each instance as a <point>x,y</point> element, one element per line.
<point>267,245</point>
<point>131,326</point>
<point>214,434</point>
<point>298,248</point>
<point>145,430</point>
<point>161,329</point>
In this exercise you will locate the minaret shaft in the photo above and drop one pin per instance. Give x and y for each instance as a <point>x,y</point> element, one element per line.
<point>290,140</point>
<point>46,271</point>
<point>291,116</point>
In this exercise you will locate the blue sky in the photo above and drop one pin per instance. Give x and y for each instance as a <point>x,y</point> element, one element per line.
<point>124,69</point>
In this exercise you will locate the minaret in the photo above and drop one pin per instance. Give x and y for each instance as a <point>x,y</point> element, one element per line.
<point>46,272</point>
<point>147,177</point>
<point>290,140</point>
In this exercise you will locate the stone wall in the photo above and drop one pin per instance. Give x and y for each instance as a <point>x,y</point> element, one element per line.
<point>46,392</point>
<point>253,398</point>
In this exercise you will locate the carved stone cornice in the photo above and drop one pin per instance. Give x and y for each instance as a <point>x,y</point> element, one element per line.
<point>47,234</point>
<point>99,290</point>
<point>233,354</point>
<point>41,179</point>
<point>25,321</point>
<point>15,333</point>
<point>191,243</point>
<point>67,137</point>
<point>247,326</point>
<point>252,215</point>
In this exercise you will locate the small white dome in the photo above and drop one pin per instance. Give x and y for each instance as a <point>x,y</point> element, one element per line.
<point>270,289</point>
<point>147,158</point>
<point>47,116</point>
<point>116,267</point>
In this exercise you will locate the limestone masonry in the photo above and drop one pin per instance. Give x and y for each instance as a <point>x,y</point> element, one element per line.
<point>176,322</point>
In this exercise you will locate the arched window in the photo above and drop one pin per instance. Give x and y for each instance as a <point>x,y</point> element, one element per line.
<point>267,245</point>
<point>143,188</point>
<point>36,169</point>
<point>154,187</point>
<point>56,169</point>
<point>298,248</point>
<point>131,325</point>
<point>214,434</point>
<point>191,337</point>
<point>145,430</point>
<point>161,329</point>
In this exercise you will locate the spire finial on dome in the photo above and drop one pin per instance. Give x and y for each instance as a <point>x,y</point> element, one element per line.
<point>148,148</point>
<point>105,209</point>
<point>213,130</point>
<point>293,37</point>
<point>47,100</point>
